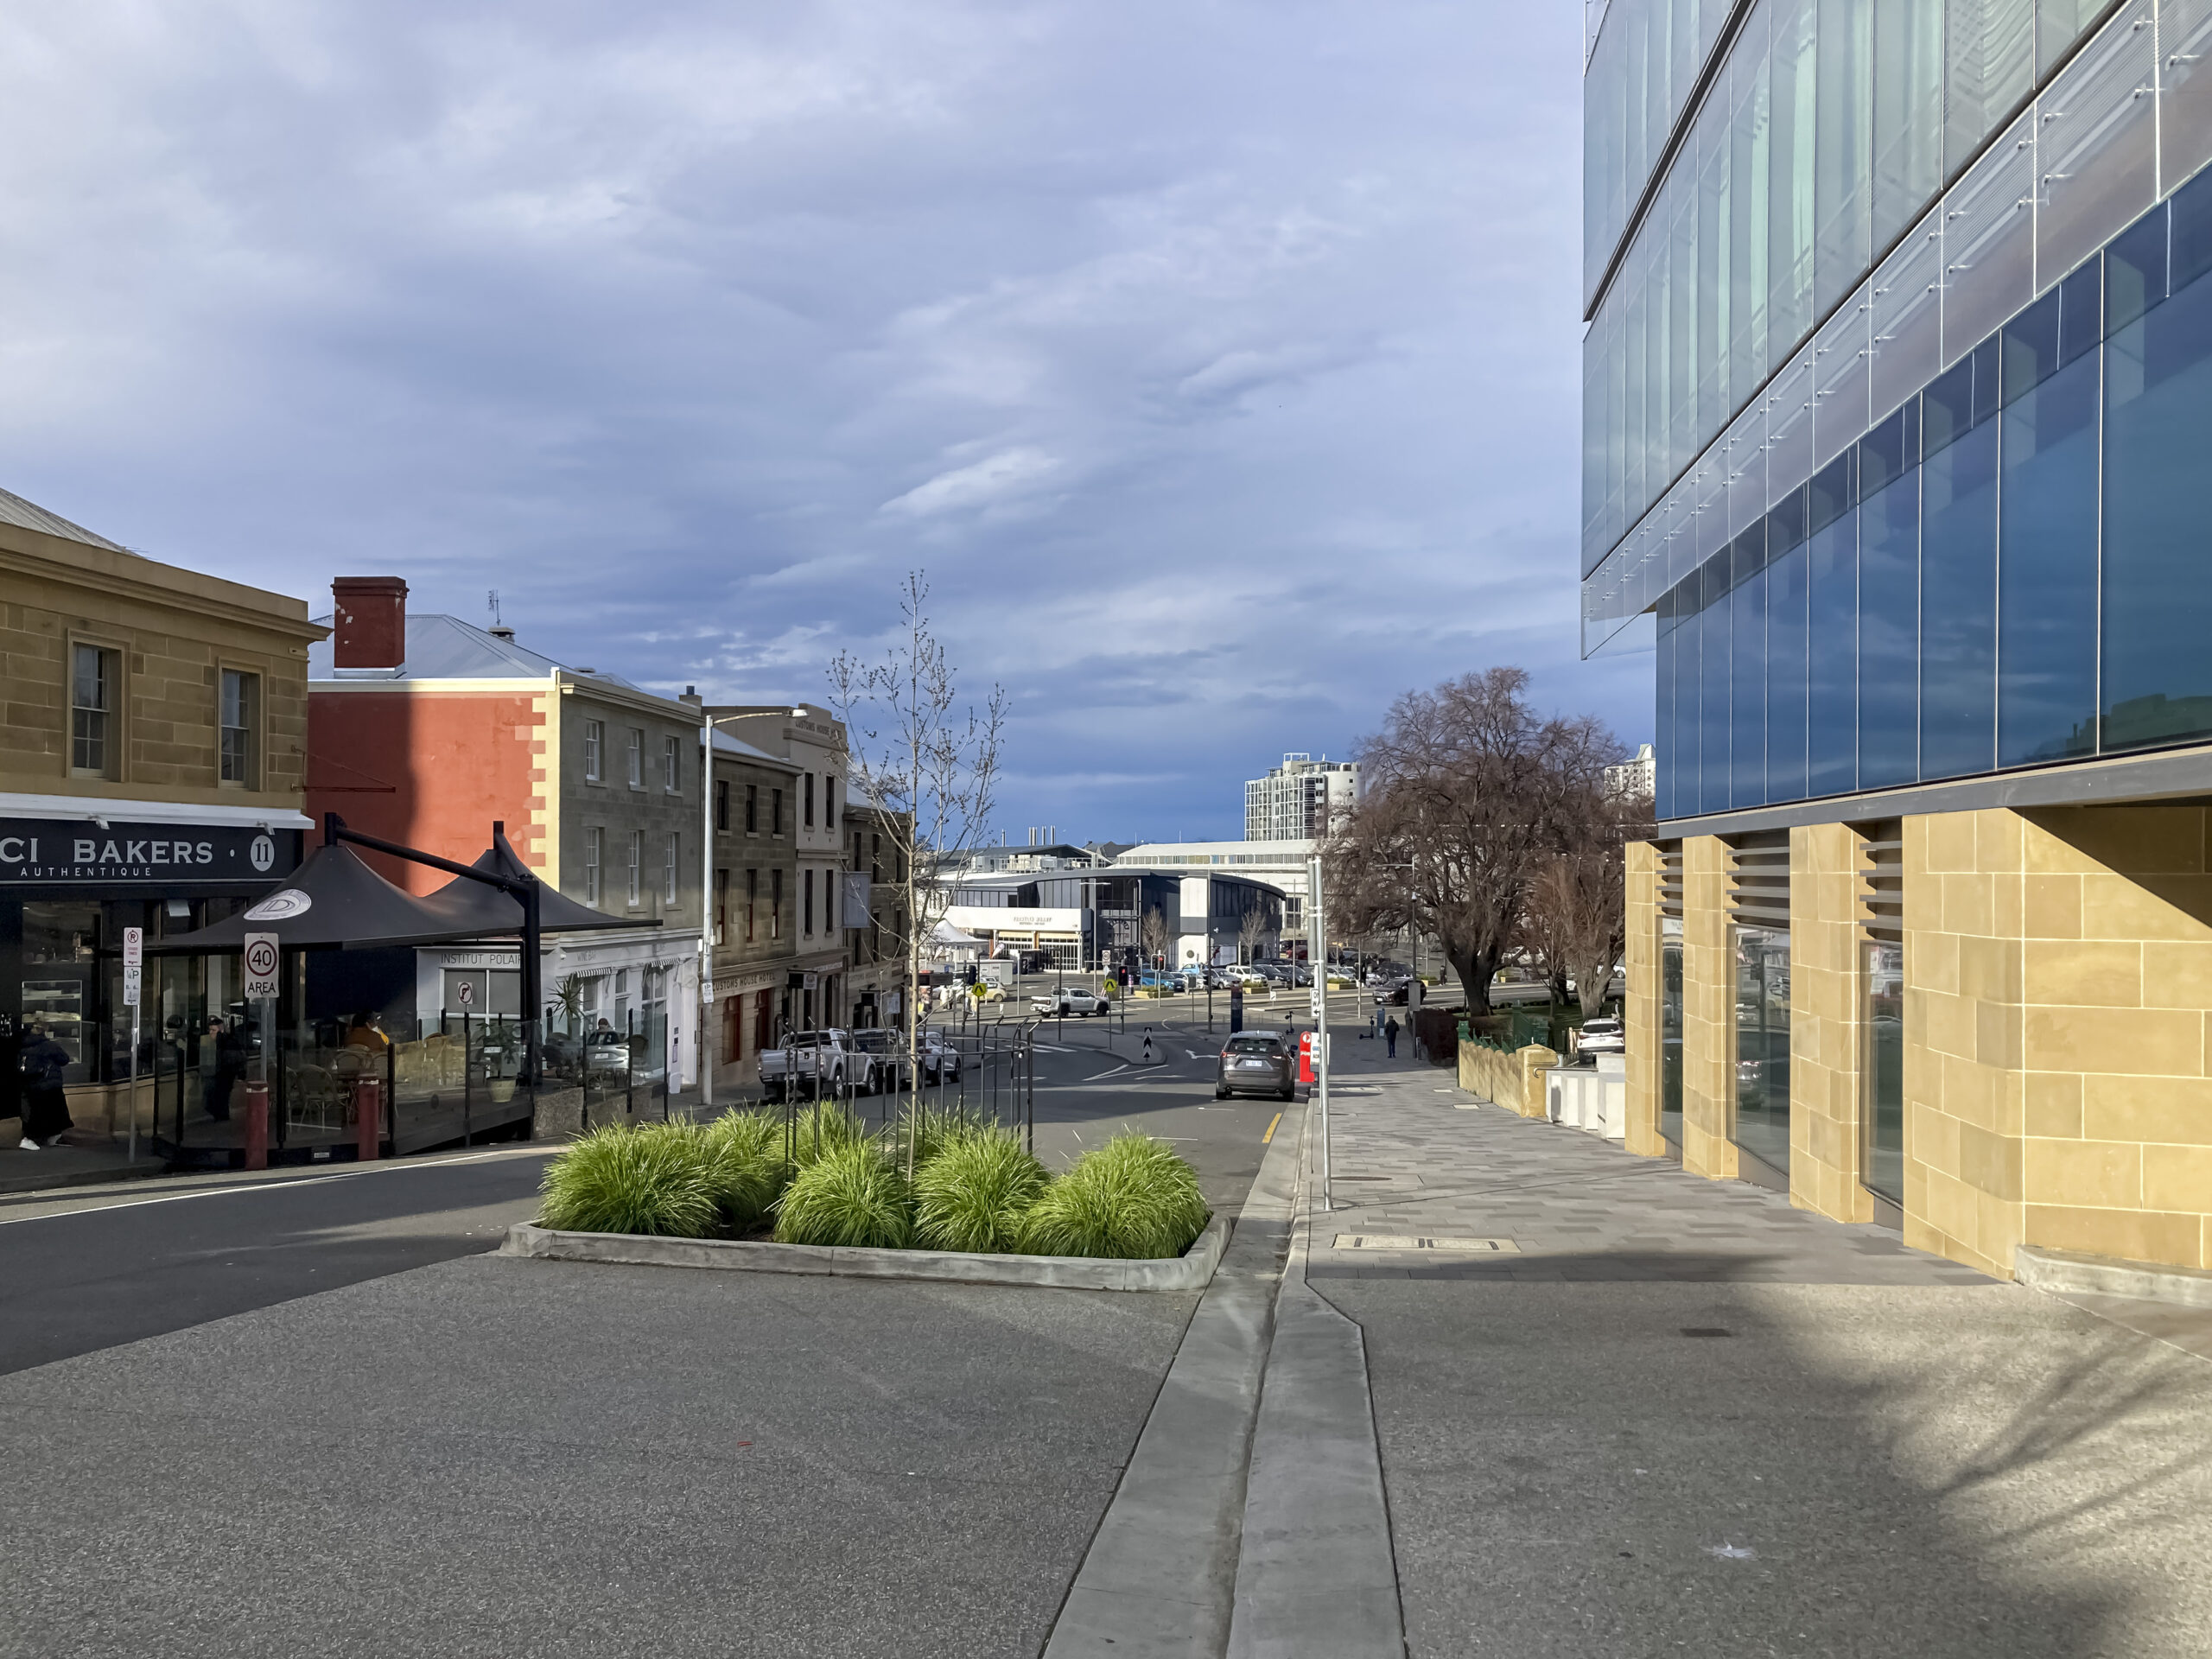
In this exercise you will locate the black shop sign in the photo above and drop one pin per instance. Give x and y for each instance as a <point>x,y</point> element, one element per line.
<point>76,852</point>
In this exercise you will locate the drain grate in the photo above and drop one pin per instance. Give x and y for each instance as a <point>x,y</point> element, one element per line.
<point>1425,1241</point>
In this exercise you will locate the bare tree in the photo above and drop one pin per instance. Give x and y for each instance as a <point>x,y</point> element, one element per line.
<point>928,765</point>
<point>1577,906</point>
<point>1249,933</point>
<point>1465,794</point>
<point>1154,936</point>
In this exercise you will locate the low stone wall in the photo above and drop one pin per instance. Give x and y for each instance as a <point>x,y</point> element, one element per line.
<point>1514,1081</point>
<point>559,1115</point>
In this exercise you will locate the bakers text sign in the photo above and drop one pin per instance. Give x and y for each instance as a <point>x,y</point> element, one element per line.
<point>61,852</point>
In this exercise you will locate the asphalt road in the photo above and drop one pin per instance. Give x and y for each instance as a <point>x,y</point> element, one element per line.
<point>89,1268</point>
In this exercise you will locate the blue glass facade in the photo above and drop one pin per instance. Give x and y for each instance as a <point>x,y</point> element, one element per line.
<point>2012,570</point>
<point>1898,372</point>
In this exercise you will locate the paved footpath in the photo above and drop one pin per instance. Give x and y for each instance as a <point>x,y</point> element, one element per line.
<point>1683,1418</point>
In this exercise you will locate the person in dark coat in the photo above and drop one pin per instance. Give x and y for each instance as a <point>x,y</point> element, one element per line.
<point>46,1108</point>
<point>230,1065</point>
<point>1390,1035</point>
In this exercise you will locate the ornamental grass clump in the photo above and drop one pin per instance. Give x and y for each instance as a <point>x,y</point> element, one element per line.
<point>973,1191</point>
<point>744,1154</point>
<point>1132,1199</point>
<point>852,1196</point>
<point>651,1178</point>
<point>818,1129</point>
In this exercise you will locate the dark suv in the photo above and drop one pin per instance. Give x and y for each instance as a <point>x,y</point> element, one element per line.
<point>1257,1063</point>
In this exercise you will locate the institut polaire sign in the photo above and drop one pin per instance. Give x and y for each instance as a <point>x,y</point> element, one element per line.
<point>60,852</point>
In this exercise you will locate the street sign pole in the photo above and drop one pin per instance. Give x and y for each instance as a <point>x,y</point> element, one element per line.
<point>263,956</point>
<point>134,968</point>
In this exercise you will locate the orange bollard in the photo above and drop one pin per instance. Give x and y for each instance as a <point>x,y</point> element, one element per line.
<point>368,1117</point>
<point>256,1126</point>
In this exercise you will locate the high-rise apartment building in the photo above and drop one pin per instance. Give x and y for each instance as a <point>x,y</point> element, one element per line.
<point>1897,382</point>
<point>1300,799</point>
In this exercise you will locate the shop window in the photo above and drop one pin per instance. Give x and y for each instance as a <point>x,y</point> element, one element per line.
<point>241,720</point>
<point>94,674</point>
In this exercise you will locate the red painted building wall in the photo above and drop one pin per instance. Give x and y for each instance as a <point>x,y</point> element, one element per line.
<point>432,769</point>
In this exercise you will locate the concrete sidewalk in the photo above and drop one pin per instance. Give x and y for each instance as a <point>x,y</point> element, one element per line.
<point>1680,1417</point>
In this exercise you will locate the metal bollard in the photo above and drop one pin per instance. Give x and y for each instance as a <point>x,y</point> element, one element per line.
<point>256,1126</point>
<point>368,1115</point>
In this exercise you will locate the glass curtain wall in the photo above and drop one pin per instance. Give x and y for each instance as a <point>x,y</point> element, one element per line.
<point>1828,130</point>
<point>1762,1115</point>
<point>2006,571</point>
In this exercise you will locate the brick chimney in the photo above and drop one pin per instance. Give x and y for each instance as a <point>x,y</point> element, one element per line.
<point>371,612</point>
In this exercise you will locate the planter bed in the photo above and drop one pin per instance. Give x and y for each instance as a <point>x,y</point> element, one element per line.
<point>1193,1270</point>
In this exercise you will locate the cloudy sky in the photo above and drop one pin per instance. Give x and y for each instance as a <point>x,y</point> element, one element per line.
<point>1215,361</point>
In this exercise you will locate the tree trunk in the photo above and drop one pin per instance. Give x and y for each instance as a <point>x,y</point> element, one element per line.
<point>1475,969</point>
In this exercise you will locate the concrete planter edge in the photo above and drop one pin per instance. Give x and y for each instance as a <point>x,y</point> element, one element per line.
<point>1193,1270</point>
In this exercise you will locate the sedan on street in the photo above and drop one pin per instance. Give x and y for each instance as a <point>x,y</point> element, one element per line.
<point>1257,1063</point>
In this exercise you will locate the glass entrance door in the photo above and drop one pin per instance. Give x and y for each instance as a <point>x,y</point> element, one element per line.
<point>1882,1069</point>
<point>1763,1045</point>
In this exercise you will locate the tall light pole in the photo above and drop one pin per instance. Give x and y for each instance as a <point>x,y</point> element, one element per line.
<point>1317,928</point>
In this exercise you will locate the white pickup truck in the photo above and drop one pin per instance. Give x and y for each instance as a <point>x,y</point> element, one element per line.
<point>813,1062</point>
<point>1069,1000</point>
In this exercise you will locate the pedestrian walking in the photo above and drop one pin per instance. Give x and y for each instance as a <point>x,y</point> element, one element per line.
<point>1390,1035</point>
<point>226,1054</point>
<point>44,1108</point>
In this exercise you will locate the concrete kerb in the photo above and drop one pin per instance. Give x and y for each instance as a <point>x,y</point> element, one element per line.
<point>1193,1270</point>
<point>1316,1571</point>
<point>1160,1578</point>
<point>2062,1272</point>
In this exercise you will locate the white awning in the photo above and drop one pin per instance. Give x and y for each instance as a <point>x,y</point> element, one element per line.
<point>103,808</point>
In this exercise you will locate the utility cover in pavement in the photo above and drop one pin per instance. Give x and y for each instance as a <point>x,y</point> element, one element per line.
<point>1412,1242</point>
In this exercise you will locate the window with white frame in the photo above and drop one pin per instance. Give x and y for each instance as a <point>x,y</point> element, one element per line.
<point>668,880</point>
<point>594,744</point>
<point>672,771</point>
<point>637,759</point>
<point>594,843</point>
<point>93,676</point>
<point>241,710</point>
<point>637,859</point>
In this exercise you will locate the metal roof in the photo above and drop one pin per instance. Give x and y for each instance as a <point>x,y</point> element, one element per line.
<point>13,510</point>
<point>440,647</point>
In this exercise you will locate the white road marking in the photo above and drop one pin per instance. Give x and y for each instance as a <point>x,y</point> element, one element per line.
<point>1103,1075</point>
<point>380,1166</point>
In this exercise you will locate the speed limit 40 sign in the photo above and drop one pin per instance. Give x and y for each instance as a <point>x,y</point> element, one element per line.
<point>260,967</point>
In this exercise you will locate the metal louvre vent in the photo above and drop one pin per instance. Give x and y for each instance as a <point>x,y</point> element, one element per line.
<point>1670,880</point>
<point>1881,906</point>
<point>1758,882</point>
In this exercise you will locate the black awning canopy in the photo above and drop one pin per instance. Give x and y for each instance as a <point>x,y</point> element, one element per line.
<point>491,913</point>
<point>332,899</point>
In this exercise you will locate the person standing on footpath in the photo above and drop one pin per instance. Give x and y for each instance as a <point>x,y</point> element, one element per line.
<point>1390,1036</point>
<point>46,1108</point>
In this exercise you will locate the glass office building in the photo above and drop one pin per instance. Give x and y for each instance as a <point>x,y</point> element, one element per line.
<point>1897,378</point>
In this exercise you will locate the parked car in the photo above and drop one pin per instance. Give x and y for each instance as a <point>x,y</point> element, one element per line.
<point>813,1061</point>
<point>1392,992</point>
<point>1257,1063</point>
<point>940,1059</point>
<point>607,1053</point>
<point>879,1060</point>
<point>1603,1037</point>
<point>1068,1000</point>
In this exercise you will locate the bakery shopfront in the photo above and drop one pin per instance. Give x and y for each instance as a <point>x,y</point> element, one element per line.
<point>70,883</point>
